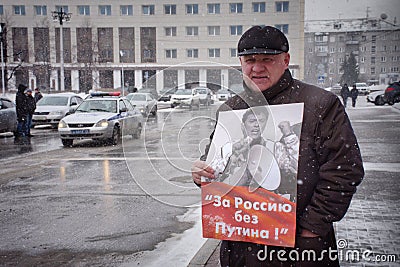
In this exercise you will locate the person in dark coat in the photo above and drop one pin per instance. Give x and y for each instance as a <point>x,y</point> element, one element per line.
<point>345,93</point>
<point>38,95</point>
<point>31,106</point>
<point>354,95</point>
<point>22,111</point>
<point>330,165</point>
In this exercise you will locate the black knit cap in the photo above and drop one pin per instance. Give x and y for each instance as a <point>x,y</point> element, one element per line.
<point>262,40</point>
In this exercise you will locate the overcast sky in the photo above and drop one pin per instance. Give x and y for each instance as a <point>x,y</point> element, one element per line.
<point>344,9</point>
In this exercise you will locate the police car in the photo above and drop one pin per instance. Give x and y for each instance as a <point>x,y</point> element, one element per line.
<point>102,116</point>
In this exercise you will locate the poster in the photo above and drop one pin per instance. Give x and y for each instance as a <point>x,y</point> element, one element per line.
<point>254,153</point>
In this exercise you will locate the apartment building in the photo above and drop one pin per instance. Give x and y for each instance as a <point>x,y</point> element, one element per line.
<point>374,42</point>
<point>155,44</point>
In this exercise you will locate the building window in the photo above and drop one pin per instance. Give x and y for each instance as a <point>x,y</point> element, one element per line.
<point>332,50</point>
<point>362,69</point>
<point>192,9</point>
<point>283,28</point>
<point>362,59</point>
<point>193,53</point>
<point>213,30</point>
<point>40,10</point>
<point>19,10</point>
<point>170,31</point>
<point>372,60</point>
<point>282,6</point>
<point>394,69</point>
<point>310,50</point>
<point>331,71</point>
<point>319,38</point>
<point>1,10</point>
<point>105,10</point>
<point>126,10</point>
<point>331,60</point>
<point>62,8</point>
<point>373,39</point>
<point>341,60</point>
<point>332,39</point>
<point>363,48</point>
<point>341,38</point>
<point>214,52</point>
<point>363,38</point>
<point>259,7</point>
<point>192,31</point>
<point>84,10</point>
<point>214,8</point>
<point>236,30</point>
<point>236,7</point>
<point>384,48</point>
<point>373,49</point>
<point>383,59</point>
<point>148,9</point>
<point>321,49</point>
<point>373,70</point>
<point>383,69</point>
<point>341,49</point>
<point>341,71</point>
<point>170,9</point>
<point>170,53</point>
<point>233,52</point>
<point>394,58</point>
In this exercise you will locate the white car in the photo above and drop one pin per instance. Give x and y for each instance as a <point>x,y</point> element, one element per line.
<point>223,95</point>
<point>363,88</point>
<point>101,117</point>
<point>205,95</point>
<point>51,108</point>
<point>185,97</point>
<point>377,97</point>
<point>145,102</point>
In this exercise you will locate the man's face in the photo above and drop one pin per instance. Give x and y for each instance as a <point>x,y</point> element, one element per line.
<point>261,71</point>
<point>255,125</point>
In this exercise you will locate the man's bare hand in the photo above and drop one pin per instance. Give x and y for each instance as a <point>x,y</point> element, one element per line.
<point>199,169</point>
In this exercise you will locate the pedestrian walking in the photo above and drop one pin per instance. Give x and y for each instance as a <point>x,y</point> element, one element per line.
<point>354,95</point>
<point>22,111</point>
<point>38,95</point>
<point>31,106</point>
<point>345,93</point>
<point>330,165</point>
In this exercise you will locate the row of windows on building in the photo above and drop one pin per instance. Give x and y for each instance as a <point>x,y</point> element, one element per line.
<point>372,70</point>
<point>168,9</point>
<point>373,60</point>
<point>363,38</point>
<point>373,49</point>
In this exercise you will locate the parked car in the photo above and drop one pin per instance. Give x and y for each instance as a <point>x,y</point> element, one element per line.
<point>104,116</point>
<point>392,93</point>
<point>151,91</point>
<point>377,97</point>
<point>166,93</point>
<point>205,95</point>
<point>363,88</point>
<point>185,97</point>
<point>336,88</point>
<point>223,94</point>
<point>53,107</point>
<point>8,116</point>
<point>144,102</point>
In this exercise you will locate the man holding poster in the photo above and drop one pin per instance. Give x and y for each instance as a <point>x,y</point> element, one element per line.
<point>329,165</point>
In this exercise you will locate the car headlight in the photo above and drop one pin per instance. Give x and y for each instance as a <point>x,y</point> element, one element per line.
<point>57,112</point>
<point>102,123</point>
<point>62,124</point>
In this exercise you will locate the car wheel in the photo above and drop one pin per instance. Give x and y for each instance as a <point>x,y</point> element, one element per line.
<point>154,112</point>
<point>138,132</point>
<point>379,101</point>
<point>67,142</point>
<point>116,136</point>
<point>172,105</point>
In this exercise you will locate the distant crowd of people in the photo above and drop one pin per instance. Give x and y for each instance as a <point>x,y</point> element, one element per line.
<point>346,93</point>
<point>25,106</point>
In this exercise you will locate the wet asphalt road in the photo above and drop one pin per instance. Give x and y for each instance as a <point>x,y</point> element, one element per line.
<point>98,205</point>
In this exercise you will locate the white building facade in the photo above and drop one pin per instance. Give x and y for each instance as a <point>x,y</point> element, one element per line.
<point>157,44</point>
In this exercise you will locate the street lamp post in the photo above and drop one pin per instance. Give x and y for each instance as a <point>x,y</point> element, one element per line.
<point>3,84</point>
<point>121,53</point>
<point>61,16</point>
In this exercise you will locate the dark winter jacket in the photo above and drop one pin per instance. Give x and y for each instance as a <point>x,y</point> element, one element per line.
<point>330,165</point>
<point>30,104</point>
<point>38,96</point>
<point>354,93</point>
<point>20,102</point>
<point>345,92</point>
